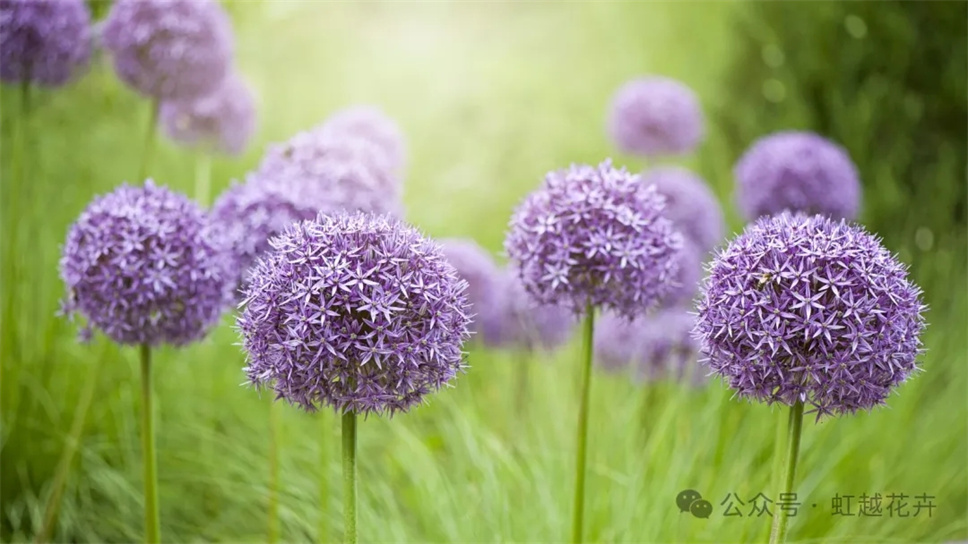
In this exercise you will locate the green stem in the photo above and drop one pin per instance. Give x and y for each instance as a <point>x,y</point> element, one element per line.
<point>273,526</point>
<point>203,177</point>
<point>778,534</point>
<point>149,146</point>
<point>349,477</point>
<point>579,506</point>
<point>324,461</point>
<point>152,528</point>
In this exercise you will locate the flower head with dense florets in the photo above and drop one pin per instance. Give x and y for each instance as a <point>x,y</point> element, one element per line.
<point>805,308</point>
<point>654,347</point>
<point>524,323</point>
<point>370,124</point>
<point>46,42</point>
<point>656,116</point>
<point>799,172</point>
<point>689,203</point>
<point>594,236</point>
<point>144,265</point>
<point>475,266</point>
<point>169,49</point>
<point>354,311</point>
<point>222,121</point>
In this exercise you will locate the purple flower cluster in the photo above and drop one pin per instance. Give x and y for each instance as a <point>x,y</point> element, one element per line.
<point>654,116</point>
<point>799,172</point>
<point>594,236</point>
<point>354,311</point>
<point>46,42</point>
<point>475,266</point>
<point>804,308</point>
<point>691,206</point>
<point>144,265</point>
<point>655,346</point>
<point>169,49</point>
<point>524,323</point>
<point>223,120</point>
<point>369,124</point>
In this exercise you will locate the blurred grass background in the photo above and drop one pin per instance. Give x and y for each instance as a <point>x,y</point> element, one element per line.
<point>491,96</point>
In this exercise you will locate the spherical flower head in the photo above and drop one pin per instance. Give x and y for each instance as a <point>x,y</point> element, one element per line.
<point>354,311</point>
<point>370,124</point>
<point>144,265</point>
<point>594,236</point>
<point>169,49</point>
<point>805,308</point>
<point>475,266</point>
<point>653,347</point>
<point>524,323</point>
<point>348,171</point>
<point>690,204</point>
<point>799,172</point>
<point>47,42</point>
<point>654,116</point>
<point>221,121</point>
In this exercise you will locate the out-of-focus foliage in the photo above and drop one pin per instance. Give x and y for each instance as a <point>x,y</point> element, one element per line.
<point>886,80</point>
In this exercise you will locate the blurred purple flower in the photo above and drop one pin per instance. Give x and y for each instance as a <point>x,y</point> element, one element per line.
<point>47,42</point>
<point>594,236</point>
<point>370,124</point>
<point>524,323</point>
<point>806,308</point>
<point>222,121</point>
<point>654,347</point>
<point>691,206</point>
<point>144,265</point>
<point>483,277</point>
<point>685,283</point>
<point>800,172</point>
<point>354,311</point>
<point>654,116</point>
<point>169,49</point>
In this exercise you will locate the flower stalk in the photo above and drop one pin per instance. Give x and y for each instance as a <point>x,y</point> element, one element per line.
<point>781,521</point>
<point>583,408</point>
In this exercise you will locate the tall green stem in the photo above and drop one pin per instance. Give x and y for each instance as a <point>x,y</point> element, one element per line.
<point>149,145</point>
<point>579,506</point>
<point>152,527</point>
<point>780,521</point>
<point>273,526</point>
<point>325,431</point>
<point>349,477</point>
<point>203,177</point>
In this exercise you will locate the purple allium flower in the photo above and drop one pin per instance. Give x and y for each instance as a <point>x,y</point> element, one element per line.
<point>656,346</point>
<point>524,323</point>
<point>594,236</point>
<point>169,49</point>
<point>485,283</point>
<point>800,172</point>
<point>656,116</point>
<point>223,120</point>
<point>685,283</point>
<point>144,265</point>
<point>372,125</point>
<point>355,311</point>
<point>46,42</point>
<point>350,169</point>
<point>807,308</point>
<point>691,206</point>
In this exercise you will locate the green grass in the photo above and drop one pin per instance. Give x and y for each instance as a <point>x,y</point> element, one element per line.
<point>491,96</point>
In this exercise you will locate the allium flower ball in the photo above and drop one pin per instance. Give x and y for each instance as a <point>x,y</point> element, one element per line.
<point>222,121</point>
<point>354,311</point>
<point>685,284</point>
<point>372,125</point>
<point>690,204</point>
<point>654,347</point>
<point>169,49</point>
<point>799,172</point>
<point>349,169</point>
<point>483,277</point>
<point>524,323</point>
<point>47,42</point>
<point>144,265</point>
<point>807,308</point>
<point>594,236</point>
<point>656,116</point>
